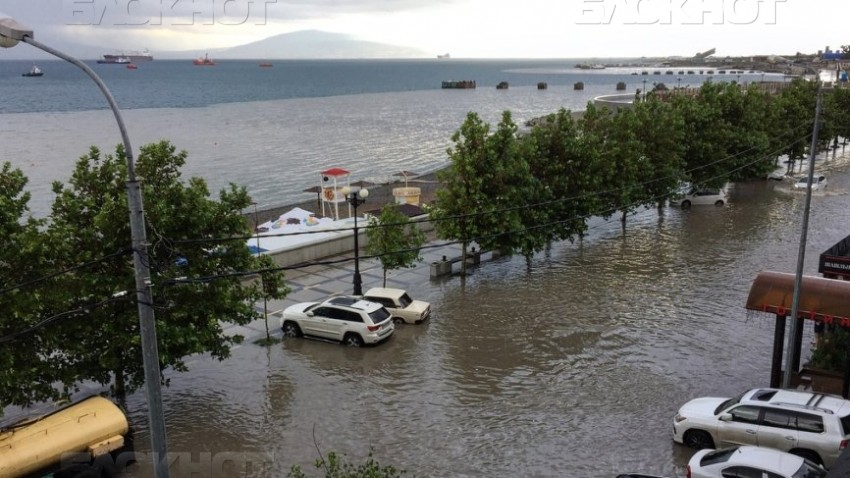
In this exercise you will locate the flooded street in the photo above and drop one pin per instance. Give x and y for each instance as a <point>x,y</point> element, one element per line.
<point>571,365</point>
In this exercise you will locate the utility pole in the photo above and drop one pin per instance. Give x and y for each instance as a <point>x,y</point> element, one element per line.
<point>801,254</point>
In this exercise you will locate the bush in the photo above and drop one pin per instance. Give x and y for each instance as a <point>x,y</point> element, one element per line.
<point>336,467</point>
<point>831,353</point>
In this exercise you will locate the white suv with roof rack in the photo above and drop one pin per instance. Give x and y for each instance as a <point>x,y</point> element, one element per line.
<point>812,425</point>
<point>349,320</point>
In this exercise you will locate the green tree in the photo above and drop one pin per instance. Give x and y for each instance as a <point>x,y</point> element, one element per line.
<point>197,252</point>
<point>394,239</point>
<point>661,130</point>
<point>272,286</point>
<point>507,181</point>
<point>565,179</point>
<point>28,368</point>
<point>463,189</point>
<point>621,160</point>
<point>794,108</point>
<point>705,134</point>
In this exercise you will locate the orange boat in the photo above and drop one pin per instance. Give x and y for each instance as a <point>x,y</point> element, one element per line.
<point>265,65</point>
<point>132,66</point>
<point>205,61</point>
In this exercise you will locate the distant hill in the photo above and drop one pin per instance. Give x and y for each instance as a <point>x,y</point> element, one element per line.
<point>307,44</point>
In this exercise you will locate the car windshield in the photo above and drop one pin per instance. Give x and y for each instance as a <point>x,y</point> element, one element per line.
<point>728,403</point>
<point>809,470</point>
<point>719,456</point>
<point>404,300</point>
<point>379,315</point>
<point>803,180</point>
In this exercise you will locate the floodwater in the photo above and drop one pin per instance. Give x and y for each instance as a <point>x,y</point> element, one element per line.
<point>571,365</point>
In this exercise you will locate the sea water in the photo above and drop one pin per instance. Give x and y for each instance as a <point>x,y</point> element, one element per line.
<point>274,129</point>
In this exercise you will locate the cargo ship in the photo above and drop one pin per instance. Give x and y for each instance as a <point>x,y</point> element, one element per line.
<point>131,57</point>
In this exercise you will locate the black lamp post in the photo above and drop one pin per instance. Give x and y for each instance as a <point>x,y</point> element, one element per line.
<point>356,198</point>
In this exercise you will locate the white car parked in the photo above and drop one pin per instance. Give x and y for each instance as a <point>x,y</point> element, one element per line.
<point>751,461</point>
<point>400,305</point>
<point>349,320</point>
<point>695,196</point>
<point>812,425</point>
<point>818,182</point>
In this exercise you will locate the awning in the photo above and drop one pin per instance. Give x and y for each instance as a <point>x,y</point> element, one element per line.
<point>826,300</point>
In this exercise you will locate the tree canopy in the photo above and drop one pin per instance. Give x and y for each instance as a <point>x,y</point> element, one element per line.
<point>85,317</point>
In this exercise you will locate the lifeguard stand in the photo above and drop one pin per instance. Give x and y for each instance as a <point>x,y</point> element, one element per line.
<point>331,182</point>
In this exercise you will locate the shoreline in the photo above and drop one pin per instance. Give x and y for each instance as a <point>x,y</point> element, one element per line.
<point>379,196</point>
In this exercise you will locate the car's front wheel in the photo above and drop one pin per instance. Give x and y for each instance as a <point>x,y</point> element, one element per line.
<point>686,204</point>
<point>718,203</point>
<point>291,329</point>
<point>698,439</point>
<point>398,320</point>
<point>352,340</point>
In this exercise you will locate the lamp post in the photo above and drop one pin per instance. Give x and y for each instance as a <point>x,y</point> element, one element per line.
<point>356,198</point>
<point>644,89</point>
<point>12,32</point>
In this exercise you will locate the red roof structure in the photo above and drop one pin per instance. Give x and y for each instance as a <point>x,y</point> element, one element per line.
<point>335,172</point>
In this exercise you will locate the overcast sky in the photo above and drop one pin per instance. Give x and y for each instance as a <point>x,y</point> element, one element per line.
<point>463,28</point>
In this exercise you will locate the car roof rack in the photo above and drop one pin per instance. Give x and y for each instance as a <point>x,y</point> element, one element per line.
<point>806,406</point>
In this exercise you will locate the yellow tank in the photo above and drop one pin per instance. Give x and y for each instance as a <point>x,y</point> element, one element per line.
<point>95,426</point>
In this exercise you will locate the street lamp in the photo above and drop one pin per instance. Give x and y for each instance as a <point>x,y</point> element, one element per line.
<point>356,198</point>
<point>12,32</point>
<point>644,89</point>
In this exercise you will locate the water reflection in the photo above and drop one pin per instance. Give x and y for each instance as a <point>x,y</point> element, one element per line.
<point>573,365</point>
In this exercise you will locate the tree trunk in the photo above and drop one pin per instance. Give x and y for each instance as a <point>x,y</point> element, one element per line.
<point>266,317</point>
<point>119,388</point>
<point>463,259</point>
<point>385,277</point>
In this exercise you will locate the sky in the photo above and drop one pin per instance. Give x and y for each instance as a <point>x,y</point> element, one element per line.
<point>463,28</point>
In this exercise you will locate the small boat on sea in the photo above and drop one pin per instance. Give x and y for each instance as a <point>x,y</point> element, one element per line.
<point>265,65</point>
<point>34,71</point>
<point>132,66</point>
<point>205,61</point>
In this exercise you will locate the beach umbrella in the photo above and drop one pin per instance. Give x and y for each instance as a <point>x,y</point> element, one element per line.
<point>362,184</point>
<point>405,175</point>
<point>318,191</point>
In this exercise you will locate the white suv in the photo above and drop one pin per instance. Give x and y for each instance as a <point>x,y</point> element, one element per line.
<point>808,424</point>
<point>349,320</point>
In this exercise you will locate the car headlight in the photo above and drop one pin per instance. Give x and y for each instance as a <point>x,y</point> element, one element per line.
<point>679,418</point>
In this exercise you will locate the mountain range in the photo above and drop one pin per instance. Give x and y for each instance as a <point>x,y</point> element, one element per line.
<point>306,44</point>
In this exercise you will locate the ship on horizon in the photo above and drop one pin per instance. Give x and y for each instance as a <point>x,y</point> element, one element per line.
<point>128,57</point>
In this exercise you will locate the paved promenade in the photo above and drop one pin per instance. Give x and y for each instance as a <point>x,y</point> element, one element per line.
<point>320,281</point>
